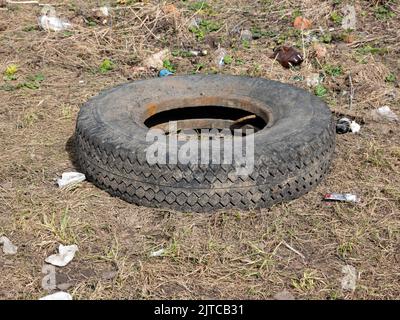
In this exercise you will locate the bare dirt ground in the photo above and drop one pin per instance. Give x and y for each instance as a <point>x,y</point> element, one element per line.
<point>231,254</point>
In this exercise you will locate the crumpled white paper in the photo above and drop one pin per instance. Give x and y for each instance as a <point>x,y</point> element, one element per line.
<point>105,11</point>
<point>157,253</point>
<point>387,113</point>
<point>349,280</point>
<point>313,80</point>
<point>349,20</point>
<point>156,60</point>
<point>58,296</point>
<point>8,247</point>
<point>65,255</point>
<point>69,178</point>
<point>354,127</point>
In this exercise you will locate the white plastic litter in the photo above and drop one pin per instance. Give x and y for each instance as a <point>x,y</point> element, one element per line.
<point>50,22</point>
<point>156,60</point>
<point>104,11</point>
<point>58,296</point>
<point>246,35</point>
<point>354,127</point>
<point>219,57</point>
<point>313,80</point>
<point>157,253</point>
<point>344,197</point>
<point>49,280</point>
<point>65,255</point>
<point>349,279</point>
<point>349,18</point>
<point>194,23</point>
<point>387,113</point>
<point>69,178</point>
<point>197,53</point>
<point>8,247</point>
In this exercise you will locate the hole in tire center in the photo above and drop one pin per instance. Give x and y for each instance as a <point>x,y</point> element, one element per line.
<point>227,114</point>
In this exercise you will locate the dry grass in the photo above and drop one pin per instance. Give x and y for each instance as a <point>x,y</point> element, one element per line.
<point>221,255</point>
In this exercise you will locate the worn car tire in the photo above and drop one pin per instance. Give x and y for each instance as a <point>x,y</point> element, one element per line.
<point>292,153</point>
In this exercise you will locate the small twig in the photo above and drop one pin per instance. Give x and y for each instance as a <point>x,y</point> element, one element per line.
<point>23,2</point>
<point>304,49</point>
<point>292,249</point>
<point>273,62</point>
<point>31,2</point>
<point>363,41</point>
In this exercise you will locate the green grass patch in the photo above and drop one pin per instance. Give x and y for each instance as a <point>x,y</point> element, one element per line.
<point>333,71</point>
<point>384,13</point>
<point>368,49</point>
<point>327,37</point>
<point>228,59</point>
<point>106,66</point>
<point>390,78</point>
<point>336,17</point>
<point>168,65</point>
<point>202,7</point>
<point>320,91</point>
<point>204,27</point>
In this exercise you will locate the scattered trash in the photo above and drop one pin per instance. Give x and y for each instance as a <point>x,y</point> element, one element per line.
<point>104,11</point>
<point>391,94</point>
<point>302,23</point>
<point>298,78</point>
<point>156,61</point>
<point>284,295</point>
<point>157,253</point>
<point>310,38</point>
<point>198,53</point>
<point>220,56</point>
<point>49,280</point>
<point>65,255</point>
<point>320,50</point>
<point>8,247</point>
<point>101,14</point>
<point>349,19</point>
<point>345,125</point>
<point>287,56</point>
<point>165,73</point>
<point>70,178</point>
<point>50,22</point>
<point>246,35</point>
<point>354,127</point>
<point>313,80</point>
<point>349,279</point>
<point>386,113</point>
<point>344,197</point>
<point>194,23</point>
<point>58,296</point>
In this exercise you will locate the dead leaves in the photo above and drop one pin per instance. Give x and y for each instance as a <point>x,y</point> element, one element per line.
<point>302,23</point>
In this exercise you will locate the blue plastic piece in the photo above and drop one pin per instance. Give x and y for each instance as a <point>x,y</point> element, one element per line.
<point>165,73</point>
